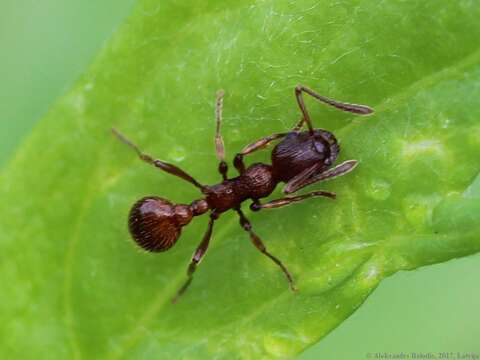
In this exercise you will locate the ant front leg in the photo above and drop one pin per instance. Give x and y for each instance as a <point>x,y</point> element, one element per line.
<point>247,226</point>
<point>219,145</point>
<point>256,206</point>
<point>257,145</point>
<point>169,168</point>
<point>197,257</point>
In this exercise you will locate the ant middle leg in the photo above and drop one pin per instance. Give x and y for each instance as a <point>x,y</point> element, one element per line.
<point>219,145</point>
<point>197,257</point>
<point>255,239</point>
<point>167,167</point>
<point>256,205</point>
<point>250,148</point>
<point>353,108</point>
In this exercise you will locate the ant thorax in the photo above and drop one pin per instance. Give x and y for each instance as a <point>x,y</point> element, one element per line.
<point>255,183</point>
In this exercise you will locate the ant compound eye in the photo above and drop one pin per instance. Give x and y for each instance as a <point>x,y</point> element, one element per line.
<point>154,224</point>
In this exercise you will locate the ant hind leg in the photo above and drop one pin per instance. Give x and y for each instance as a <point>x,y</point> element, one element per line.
<point>162,165</point>
<point>196,258</point>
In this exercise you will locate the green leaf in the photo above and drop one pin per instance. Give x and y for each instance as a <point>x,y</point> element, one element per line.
<point>76,286</point>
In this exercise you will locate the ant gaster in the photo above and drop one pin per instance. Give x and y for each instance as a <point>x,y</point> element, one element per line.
<point>300,159</point>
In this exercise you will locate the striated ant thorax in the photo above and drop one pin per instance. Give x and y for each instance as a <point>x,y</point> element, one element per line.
<point>255,183</point>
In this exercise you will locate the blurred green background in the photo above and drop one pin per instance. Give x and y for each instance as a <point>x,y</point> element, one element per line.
<point>46,45</point>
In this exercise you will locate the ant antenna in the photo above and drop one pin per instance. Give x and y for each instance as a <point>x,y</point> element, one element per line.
<point>353,108</point>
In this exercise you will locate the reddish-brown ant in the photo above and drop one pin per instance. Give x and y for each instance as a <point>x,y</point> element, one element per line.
<point>300,159</point>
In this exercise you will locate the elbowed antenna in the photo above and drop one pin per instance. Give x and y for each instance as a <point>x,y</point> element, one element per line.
<point>352,108</point>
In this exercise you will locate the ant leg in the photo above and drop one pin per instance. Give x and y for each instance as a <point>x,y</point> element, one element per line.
<point>197,257</point>
<point>298,126</point>
<point>247,226</point>
<point>353,108</point>
<point>299,182</point>
<point>256,206</point>
<point>219,146</point>
<point>257,145</point>
<point>169,168</point>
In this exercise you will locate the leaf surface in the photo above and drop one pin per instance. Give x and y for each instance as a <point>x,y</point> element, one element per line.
<point>77,287</point>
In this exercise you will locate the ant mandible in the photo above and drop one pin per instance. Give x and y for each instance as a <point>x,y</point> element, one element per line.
<point>300,159</point>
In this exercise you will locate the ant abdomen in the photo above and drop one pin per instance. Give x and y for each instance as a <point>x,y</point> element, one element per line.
<point>155,223</point>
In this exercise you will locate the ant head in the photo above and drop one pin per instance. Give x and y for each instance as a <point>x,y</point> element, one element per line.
<point>156,224</point>
<point>326,144</point>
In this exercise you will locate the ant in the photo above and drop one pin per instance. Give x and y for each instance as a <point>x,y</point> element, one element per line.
<point>300,159</point>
